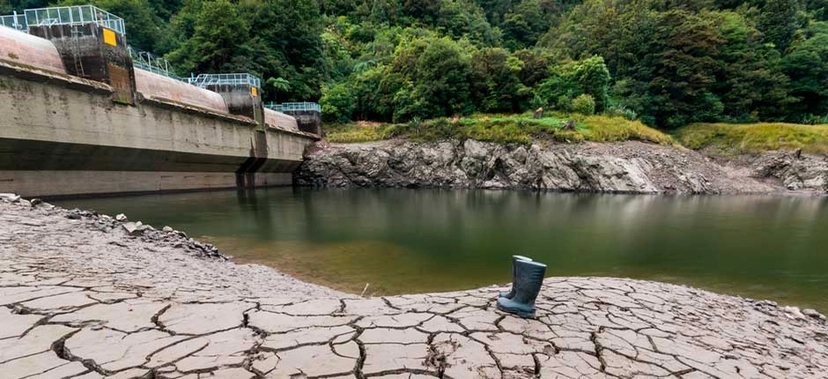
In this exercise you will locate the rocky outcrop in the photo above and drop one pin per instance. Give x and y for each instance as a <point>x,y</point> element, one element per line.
<point>626,167</point>
<point>795,171</point>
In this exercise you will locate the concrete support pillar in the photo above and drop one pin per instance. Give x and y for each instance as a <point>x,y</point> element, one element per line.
<point>93,52</point>
<point>245,100</point>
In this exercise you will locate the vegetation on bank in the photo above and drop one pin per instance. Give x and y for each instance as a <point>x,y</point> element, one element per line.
<point>521,129</point>
<point>751,138</point>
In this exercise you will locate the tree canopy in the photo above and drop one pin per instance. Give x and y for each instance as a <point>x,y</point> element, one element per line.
<point>668,62</point>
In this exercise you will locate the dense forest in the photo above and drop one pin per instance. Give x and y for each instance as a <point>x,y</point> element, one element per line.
<point>665,62</point>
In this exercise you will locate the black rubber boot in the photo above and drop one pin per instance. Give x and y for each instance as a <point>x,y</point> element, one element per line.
<point>515,258</point>
<point>528,281</point>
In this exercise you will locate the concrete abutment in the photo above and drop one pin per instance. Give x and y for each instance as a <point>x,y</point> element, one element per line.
<point>62,135</point>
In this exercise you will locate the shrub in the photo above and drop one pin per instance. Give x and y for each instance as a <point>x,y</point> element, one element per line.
<point>564,103</point>
<point>621,111</point>
<point>584,104</point>
<point>337,104</point>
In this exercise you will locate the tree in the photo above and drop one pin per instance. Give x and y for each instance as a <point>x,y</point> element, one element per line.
<point>278,85</point>
<point>750,83</point>
<point>218,32</point>
<point>289,44</point>
<point>7,6</point>
<point>671,86</point>
<point>779,21</point>
<point>807,67</point>
<point>524,24</point>
<point>496,85</point>
<point>568,81</point>
<point>430,78</point>
<point>338,103</point>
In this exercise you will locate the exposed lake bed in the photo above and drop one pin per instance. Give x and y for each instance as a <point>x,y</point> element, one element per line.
<point>83,294</point>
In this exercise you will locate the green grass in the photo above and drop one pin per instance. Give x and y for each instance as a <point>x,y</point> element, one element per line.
<point>353,133</point>
<point>521,129</point>
<point>752,138</point>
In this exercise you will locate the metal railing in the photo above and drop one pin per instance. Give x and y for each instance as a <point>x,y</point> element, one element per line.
<point>205,80</point>
<point>295,107</point>
<point>148,62</point>
<point>15,21</point>
<point>74,15</point>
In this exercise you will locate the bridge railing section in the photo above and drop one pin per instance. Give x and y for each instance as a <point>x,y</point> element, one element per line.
<point>74,15</point>
<point>295,107</point>
<point>244,79</point>
<point>148,62</point>
<point>15,21</point>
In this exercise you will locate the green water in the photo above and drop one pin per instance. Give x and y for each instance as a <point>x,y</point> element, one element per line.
<point>408,241</point>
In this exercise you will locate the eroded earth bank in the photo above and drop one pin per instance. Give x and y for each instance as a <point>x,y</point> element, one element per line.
<point>624,167</point>
<point>87,296</point>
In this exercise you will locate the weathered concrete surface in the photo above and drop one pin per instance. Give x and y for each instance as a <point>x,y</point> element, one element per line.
<point>280,120</point>
<point>623,167</point>
<point>154,86</point>
<point>53,122</point>
<point>80,298</point>
<point>24,48</point>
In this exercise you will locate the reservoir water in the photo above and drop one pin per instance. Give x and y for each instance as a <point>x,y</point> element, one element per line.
<point>413,241</point>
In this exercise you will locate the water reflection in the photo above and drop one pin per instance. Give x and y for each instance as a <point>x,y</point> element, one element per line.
<point>415,241</point>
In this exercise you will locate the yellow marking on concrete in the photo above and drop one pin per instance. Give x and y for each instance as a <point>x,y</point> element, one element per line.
<point>254,91</point>
<point>109,37</point>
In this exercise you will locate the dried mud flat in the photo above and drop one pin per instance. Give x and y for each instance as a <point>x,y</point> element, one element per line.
<point>81,297</point>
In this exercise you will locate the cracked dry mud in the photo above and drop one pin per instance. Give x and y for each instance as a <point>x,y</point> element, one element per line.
<point>81,301</point>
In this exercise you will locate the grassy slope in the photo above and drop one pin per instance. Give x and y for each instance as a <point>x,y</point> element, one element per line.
<point>504,129</point>
<point>731,138</point>
<point>751,138</point>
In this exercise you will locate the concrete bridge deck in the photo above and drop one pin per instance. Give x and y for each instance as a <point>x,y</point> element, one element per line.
<point>80,298</point>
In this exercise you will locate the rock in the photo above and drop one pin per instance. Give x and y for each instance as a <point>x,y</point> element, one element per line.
<point>10,197</point>
<point>121,217</point>
<point>798,171</point>
<point>130,227</point>
<point>135,228</point>
<point>35,202</point>
<point>767,303</point>
<point>625,167</point>
<point>813,314</point>
<point>167,229</point>
<point>794,312</point>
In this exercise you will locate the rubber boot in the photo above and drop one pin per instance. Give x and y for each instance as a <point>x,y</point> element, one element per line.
<point>528,282</point>
<point>515,258</point>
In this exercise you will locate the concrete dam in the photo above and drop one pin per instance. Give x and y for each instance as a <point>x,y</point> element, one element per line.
<point>77,118</point>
